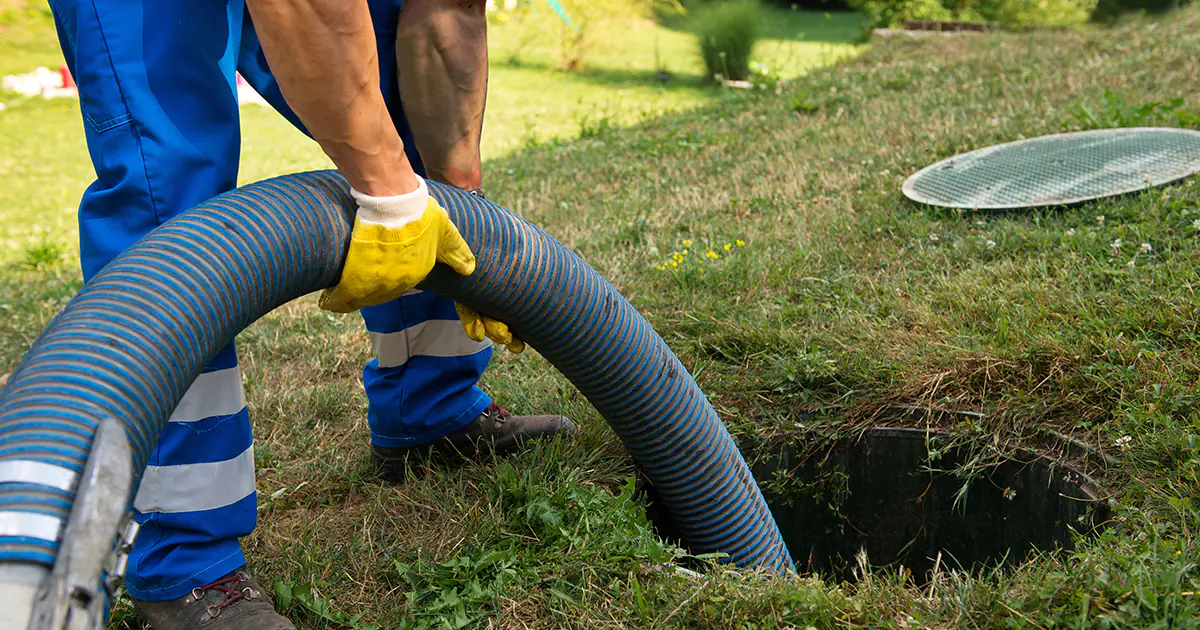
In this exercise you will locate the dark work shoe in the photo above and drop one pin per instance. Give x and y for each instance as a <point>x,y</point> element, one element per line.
<point>234,602</point>
<point>494,432</point>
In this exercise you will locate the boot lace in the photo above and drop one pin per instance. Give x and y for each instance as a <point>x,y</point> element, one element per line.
<point>497,413</point>
<point>233,588</point>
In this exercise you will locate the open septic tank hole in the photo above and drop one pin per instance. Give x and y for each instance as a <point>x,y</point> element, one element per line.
<point>906,500</point>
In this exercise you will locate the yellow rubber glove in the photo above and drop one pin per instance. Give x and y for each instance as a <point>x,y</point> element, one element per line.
<point>393,246</point>
<point>480,326</point>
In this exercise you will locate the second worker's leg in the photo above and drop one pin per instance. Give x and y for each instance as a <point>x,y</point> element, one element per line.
<point>422,383</point>
<point>442,69</point>
<point>423,379</point>
<point>423,393</point>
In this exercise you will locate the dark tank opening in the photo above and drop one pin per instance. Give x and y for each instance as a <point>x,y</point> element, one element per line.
<point>903,500</point>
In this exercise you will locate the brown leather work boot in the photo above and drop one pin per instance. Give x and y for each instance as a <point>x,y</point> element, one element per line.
<point>494,432</point>
<point>234,602</point>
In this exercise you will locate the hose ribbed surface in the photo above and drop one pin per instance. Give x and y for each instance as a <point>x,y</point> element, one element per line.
<point>141,331</point>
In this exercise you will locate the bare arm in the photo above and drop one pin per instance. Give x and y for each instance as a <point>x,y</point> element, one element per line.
<point>322,52</point>
<point>441,48</point>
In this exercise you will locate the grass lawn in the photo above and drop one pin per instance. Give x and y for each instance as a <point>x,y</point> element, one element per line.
<point>43,158</point>
<point>845,301</point>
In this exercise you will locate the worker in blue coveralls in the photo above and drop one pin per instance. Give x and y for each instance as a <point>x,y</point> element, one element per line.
<point>392,90</point>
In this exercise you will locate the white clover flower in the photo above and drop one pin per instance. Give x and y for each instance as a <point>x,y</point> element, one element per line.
<point>933,237</point>
<point>1146,248</point>
<point>1131,263</point>
<point>1070,232</point>
<point>991,244</point>
<point>1116,246</point>
<point>1196,224</point>
<point>1100,219</point>
<point>1123,442</point>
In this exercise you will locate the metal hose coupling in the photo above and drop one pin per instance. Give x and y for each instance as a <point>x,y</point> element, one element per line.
<point>70,597</point>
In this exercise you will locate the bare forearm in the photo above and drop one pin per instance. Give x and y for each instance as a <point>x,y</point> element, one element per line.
<point>441,48</point>
<point>323,54</point>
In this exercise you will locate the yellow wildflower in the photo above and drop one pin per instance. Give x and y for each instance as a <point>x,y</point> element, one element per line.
<point>740,243</point>
<point>713,255</point>
<point>728,246</point>
<point>687,243</point>
<point>685,252</point>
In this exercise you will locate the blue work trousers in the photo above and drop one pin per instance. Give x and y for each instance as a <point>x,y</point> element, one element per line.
<point>160,111</point>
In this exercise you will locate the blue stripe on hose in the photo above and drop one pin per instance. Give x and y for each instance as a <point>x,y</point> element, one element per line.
<point>59,442</point>
<point>24,541</point>
<point>142,330</point>
<point>63,387</point>
<point>43,427</point>
<point>26,497</point>
<point>179,341</point>
<point>42,453</point>
<point>156,276</point>
<point>96,369</point>
<point>23,549</point>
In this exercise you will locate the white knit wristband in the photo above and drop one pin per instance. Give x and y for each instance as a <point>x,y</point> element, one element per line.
<point>394,211</point>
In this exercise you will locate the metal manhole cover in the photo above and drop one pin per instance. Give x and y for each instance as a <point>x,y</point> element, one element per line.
<point>1059,169</point>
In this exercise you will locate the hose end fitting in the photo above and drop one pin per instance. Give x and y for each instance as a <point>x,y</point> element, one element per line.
<point>71,597</point>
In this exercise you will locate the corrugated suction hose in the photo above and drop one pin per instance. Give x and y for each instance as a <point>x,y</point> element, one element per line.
<point>137,335</point>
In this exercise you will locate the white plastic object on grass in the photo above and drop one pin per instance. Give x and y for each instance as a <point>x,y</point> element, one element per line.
<point>42,82</point>
<point>47,83</point>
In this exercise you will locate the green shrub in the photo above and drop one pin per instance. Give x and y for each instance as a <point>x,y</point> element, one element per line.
<point>806,5</point>
<point>1025,13</point>
<point>1015,13</point>
<point>1108,10</point>
<point>727,32</point>
<point>889,13</point>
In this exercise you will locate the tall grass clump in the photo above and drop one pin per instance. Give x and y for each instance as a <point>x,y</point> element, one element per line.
<point>727,32</point>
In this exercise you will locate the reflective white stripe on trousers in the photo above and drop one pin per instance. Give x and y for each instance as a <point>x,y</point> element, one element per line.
<point>431,338</point>
<point>217,393</point>
<point>207,485</point>
<point>196,487</point>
